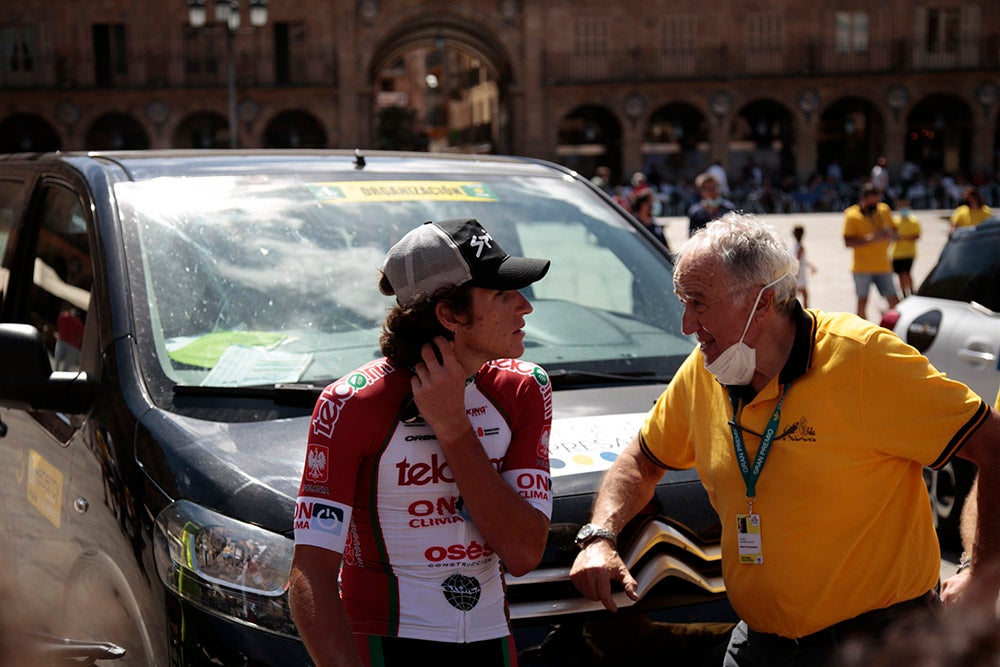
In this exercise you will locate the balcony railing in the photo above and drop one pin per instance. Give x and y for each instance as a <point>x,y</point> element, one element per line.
<point>173,69</point>
<point>729,62</point>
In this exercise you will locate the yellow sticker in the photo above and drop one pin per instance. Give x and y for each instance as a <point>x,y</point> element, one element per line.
<point>337,191</point>
<point>45,484</point>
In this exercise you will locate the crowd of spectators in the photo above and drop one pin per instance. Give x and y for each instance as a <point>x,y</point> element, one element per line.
<point>755,191</point>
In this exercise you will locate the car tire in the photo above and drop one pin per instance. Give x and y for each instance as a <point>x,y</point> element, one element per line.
<point>948,488</point>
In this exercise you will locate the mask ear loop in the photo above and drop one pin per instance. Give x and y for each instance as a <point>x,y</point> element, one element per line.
<point>757,300</point>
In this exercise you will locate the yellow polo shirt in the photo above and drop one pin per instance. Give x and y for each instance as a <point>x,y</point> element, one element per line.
<point>871,257</point>
<point>845,518</point>
<point>905,248</point>
<point>963,216</point>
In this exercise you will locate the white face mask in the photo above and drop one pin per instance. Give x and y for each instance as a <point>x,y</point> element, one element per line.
<point>737,363</point>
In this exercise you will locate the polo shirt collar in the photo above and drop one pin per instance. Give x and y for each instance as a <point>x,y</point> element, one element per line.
<point>799,360</point>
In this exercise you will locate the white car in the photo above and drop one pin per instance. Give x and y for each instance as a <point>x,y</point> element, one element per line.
<point>954,319</point>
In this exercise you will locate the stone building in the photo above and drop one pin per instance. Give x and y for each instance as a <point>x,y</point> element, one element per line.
<point>795,87</point>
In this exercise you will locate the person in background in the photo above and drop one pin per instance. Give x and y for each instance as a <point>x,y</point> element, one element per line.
<point>711,205</point>
<point>971,211</point>
<point>643,211</point>
<point>407,429</point>
<point>825,527</point>
<point>880,176</point>
<point>868,231</point>
<point>719,173</point>
<point>806,267</point>
<point>904,250</point>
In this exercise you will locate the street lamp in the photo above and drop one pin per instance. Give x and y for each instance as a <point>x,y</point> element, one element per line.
<point>227,13</point>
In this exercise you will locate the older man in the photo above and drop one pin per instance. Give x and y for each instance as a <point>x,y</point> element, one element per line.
<point>810,432</point>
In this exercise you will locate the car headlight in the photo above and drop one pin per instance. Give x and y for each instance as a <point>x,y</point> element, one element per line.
<point>225,566</point>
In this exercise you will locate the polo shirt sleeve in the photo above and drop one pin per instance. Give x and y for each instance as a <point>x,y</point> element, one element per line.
<point>665,437</point>
<point>910,409</point>
<point>851,223</point>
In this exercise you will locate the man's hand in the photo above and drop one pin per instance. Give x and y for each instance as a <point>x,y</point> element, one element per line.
<point>953,588</point>
<point>595,568</point>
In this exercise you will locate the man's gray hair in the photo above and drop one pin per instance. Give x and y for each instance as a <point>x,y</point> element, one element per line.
<point>752,254</point>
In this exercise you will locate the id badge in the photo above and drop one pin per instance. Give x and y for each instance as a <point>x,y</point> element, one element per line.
<point>748,538</point>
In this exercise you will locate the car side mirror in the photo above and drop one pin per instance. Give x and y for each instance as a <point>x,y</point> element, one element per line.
<point>27,380</point>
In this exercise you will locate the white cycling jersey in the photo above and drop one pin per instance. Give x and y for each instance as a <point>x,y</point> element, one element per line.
<point>376,487</point>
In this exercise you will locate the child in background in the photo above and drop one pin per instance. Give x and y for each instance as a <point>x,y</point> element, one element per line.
<point>805,266</point>
<point>904,250</point>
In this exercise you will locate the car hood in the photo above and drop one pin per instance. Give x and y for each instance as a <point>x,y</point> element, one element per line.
<point>251,471</point>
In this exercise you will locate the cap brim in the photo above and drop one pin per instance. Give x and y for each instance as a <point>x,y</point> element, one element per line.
<point>515,273</point>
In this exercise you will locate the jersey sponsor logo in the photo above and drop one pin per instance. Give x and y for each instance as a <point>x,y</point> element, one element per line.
<point>477,411</point>
<point>317,458</point>
<point>455,553</point>
<point>320,515</point>
<point>529,369</point>
<point>485,432</point>
<point>429,513</point>
<point>462,592</point>
<point>435,471</point>
<point>329,405</point>
<point>532,484</point>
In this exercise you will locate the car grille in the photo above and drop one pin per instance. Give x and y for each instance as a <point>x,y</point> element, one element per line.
<point>657,555</point>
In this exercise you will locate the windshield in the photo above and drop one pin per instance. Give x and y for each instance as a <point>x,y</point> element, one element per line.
<point>249,280</point>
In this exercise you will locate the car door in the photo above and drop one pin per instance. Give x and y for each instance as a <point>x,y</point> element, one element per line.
<point>49,275</point>
<point>970,348</point>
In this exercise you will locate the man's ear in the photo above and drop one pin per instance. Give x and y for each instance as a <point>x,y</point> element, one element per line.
<point>446,316</point>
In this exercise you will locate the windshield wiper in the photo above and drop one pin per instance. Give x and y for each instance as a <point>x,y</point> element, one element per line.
<point>282,393</point>
<point>563,375</point>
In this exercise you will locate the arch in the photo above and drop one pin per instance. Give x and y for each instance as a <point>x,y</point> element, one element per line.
<point>202,129</point>
<point>470,111</point>
<point>294,128</point>
<point>676,142</point>
<point>116,131</point>
<point>590,136</point>
<point>939,135</point>
<point>24,132</point>
<point>763,133</point>
<point>850,137</point>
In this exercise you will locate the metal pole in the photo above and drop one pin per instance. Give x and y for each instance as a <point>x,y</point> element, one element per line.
<point>231,66</point>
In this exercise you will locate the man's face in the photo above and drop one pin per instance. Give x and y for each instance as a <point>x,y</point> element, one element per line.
<point>870,201</point>
<point>709,190</point>
<point>711,312</point>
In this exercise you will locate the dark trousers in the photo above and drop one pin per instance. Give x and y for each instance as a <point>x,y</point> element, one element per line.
<point>748,648</point>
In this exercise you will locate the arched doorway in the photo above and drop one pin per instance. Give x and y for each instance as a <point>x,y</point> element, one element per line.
<point>115,132</point>
<point>205,129</point>
<point>763,134</point>
<point>850,138</point>
<point>675,144</point>
<point>939,136</point>
<point>21,133</point>
<point>440,83</point>
<point>294,129</point>
<point>590,137</point>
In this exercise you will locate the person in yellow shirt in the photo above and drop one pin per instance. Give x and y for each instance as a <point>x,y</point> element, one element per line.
<point>817,478</point>
<point>868,231</point>
<point>972,210</point>
<point>904,250</point>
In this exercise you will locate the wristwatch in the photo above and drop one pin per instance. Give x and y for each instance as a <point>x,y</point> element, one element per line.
<point>590,532</point>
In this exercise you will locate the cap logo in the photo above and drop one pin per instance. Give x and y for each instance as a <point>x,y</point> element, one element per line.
<point>479,242</point>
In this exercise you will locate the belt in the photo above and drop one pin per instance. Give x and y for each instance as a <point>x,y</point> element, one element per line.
<point>870,623</point>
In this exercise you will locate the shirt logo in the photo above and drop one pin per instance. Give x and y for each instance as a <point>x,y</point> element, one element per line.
<point>801,431</point>
<point>461,592</point>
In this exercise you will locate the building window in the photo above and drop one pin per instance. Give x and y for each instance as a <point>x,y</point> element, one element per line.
<point>110,56</point>
<point>289,52</point>
<point>942,30</point>
<point>677,35</point>
<point>852,32</point>
<point>18,48</point>
<point>590,37</point>
<point>201,59</point>
<point>765,32</point>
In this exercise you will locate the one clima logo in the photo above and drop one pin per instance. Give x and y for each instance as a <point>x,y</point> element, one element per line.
<point>461,592</point>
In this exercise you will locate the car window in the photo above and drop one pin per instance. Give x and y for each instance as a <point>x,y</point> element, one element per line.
<point>272,278</point>
<point>967,270</point>
<point>62,277</point>
<point>11,201</point>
